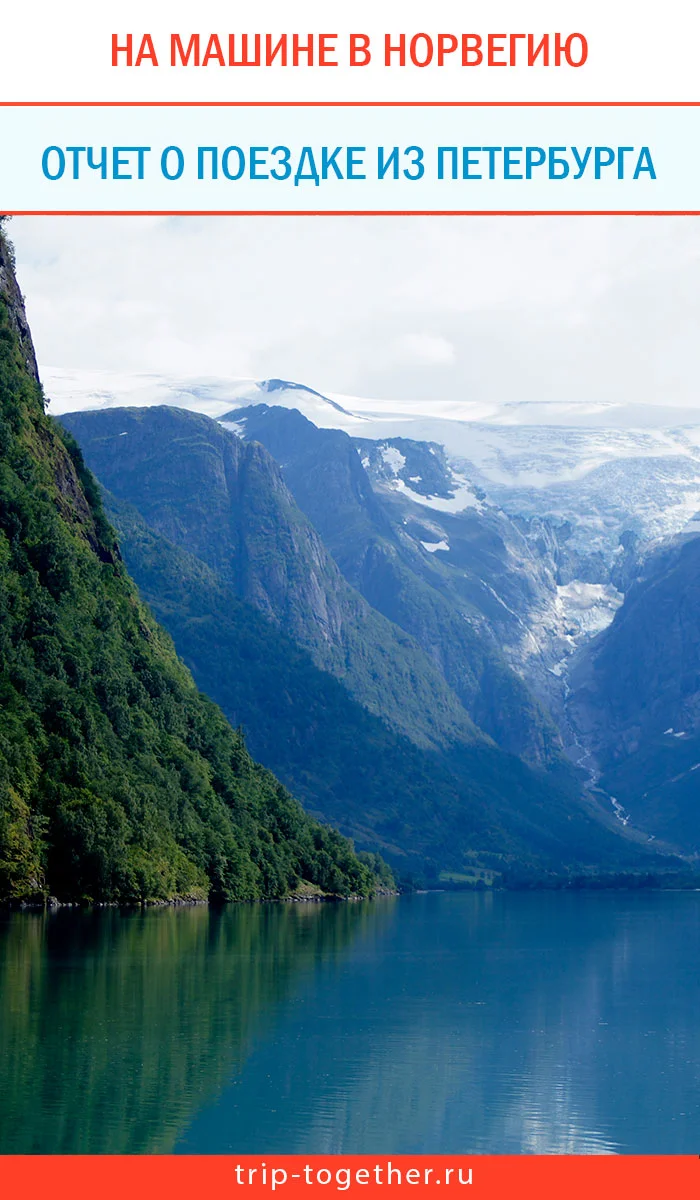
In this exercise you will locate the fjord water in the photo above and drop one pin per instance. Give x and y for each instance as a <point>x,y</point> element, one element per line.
<point>483,1023</point>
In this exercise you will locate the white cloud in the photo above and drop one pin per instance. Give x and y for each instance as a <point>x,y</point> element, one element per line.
<point>489,309</point>
<point>421,350</point>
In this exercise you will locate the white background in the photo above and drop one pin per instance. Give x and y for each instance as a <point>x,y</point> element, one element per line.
<point>638,51</point>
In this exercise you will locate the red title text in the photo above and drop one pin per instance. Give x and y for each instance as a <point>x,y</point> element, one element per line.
<point>352,50</point>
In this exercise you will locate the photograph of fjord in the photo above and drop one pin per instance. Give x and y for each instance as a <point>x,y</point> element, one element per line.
<point>349,748</point>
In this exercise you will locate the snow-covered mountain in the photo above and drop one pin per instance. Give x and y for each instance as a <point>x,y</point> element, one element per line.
<point>597,483</point>
<point>591,484</point>
<point>606,468</point>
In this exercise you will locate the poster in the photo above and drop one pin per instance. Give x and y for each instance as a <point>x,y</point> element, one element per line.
<point>349,567</point>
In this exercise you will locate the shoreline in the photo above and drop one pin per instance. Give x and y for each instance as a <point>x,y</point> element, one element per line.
<point>52,904</point>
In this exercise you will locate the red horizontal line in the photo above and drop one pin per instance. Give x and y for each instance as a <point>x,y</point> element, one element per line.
<point>349,103</point>
<point>467,212</point>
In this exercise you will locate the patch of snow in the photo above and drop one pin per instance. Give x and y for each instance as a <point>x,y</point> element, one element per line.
<point>463,497</point>
<point>393,459</point>
<point>431,547</point>
<point>237,427</point>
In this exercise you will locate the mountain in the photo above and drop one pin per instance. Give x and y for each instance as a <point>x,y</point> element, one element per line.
<point>426,551</point>
<point>590,488</point>
<point>237,573</point>
<point>224,500</point>
<point>298,719</point>
<point>119,781</point>
<point>535,519</point>
<point>589,484</point>
<point>635,698</point>
<point>423,810</point>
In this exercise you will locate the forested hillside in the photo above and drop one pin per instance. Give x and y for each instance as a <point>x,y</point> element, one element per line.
<point>118,780</point>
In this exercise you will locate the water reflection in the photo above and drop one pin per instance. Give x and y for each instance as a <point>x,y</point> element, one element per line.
<point>116,1026</point>
<point>444,1023</point>
<point>488,1024</point>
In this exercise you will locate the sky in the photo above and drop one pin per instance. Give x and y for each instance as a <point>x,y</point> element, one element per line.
<point>492,310</point>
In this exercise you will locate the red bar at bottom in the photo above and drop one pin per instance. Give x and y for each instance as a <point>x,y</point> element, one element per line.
<point>296,1177</point>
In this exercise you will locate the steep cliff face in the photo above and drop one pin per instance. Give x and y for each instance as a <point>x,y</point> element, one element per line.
<point>636,697</point>
<point>225,501</point>
<point>118,780</point>
<point>460,582</point>
<point>17,326</point>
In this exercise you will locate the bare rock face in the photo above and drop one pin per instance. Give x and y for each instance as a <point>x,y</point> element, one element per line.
<point>9,288</point>
<point>225,501</point>
<point>64,468</point>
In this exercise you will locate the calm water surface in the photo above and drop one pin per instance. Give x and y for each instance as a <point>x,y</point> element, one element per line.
<point>505,1023</point>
